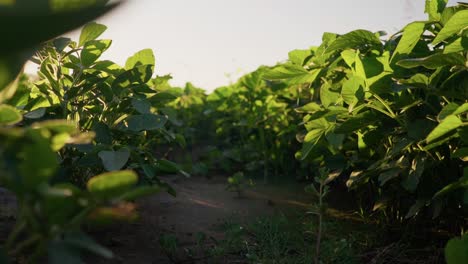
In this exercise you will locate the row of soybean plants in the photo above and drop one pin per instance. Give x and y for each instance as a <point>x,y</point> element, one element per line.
<point>248,126</point>
<point>386,115</point>
<point>76,143</point>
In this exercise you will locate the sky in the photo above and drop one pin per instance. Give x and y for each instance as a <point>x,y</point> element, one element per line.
<point>213,42</point>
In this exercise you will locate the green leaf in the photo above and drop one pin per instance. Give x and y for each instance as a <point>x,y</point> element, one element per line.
<point>170,167</point>
<point>253,80</point>
<point>328,97</point>
<point>455,25</point>
<point>456,250</point>
<point>143,106</point>
<point>103,133</point>
<point>162,98</point>
<point>67,5</point>
<point>359,68</point>
<point>61,43</point>
<point>414,210</point>
<point>411,36</point>
<point>462,183</point>
<point>449,124</point>
<point>388,175</point>
<point>309,108</point>
<point>25,32</point>
<point>448,110</point>
<point>91,31</point>
<point>10,68</point>
<point>114,160</point>
<point>320,123</point>
<point>352,91</point>
<point>93,50</point>
<point>411,182</point>
<point>461,110</point>
<point>460,153</point>
<point>355,39</point>
<point>108,67</point>
<point>112,184</point>
<point>137,76</point>
<point>143,57</point>
<point>41,160</point>
<point>434,61</point>
<point>434,8</point>
<point>294,74</point>
<point>142,122</point>
<point>349,56</point>
<point>36,114</point>
<point>448,13</point>
<point>458,45</point>
<point>298,57</point>
<point>9,115</point>
<point>311,139</point>
<point>357,122</point>
<point>59,141</point>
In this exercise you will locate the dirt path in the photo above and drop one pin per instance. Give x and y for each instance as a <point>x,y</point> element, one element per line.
<point>200,207</point>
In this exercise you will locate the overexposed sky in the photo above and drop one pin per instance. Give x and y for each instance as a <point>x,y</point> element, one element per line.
<point>213,42</point>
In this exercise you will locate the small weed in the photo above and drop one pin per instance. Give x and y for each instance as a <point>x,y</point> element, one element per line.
<point>237,183</point>
<point>279,239</point>
<point>169,245</point>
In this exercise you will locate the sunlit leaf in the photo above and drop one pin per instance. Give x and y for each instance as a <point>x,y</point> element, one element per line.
<point>91,31</point>
<point>92,50</point>
<point>456,24</point>
<point>143,57</point>
<point>9,115</point>
<point>355,39</point>
<point>411,36</point>
<point>434,61</point>
<point>449,124</point>
<point>112,184</point>
<point>456,250</point>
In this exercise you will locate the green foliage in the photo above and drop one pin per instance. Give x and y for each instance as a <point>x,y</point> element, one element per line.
<point>387,117</point>
<point>23,16</point>
<point>456,250</point>
<point>112,183</point>
<point>51,214</point>
<point>9,115</point>
<point>384,115</point>
<point>120,105</point>
<point>283,239</point>
<point>319,209</point>
<point>46,130</point>
<point>390,114</point>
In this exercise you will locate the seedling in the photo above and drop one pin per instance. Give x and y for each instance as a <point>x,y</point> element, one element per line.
<point>319,209</point>
<point>237,183</point>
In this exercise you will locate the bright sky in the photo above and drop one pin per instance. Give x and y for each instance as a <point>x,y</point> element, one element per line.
<point>213,42</point>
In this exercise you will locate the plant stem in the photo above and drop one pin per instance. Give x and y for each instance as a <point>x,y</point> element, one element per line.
<point>319,231</point>
<point>265,155</point>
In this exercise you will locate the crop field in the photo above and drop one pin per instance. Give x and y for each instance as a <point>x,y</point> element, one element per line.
<point>353,151</point>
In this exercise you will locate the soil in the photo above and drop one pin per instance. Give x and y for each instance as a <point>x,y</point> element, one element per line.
<point>201,207</point>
